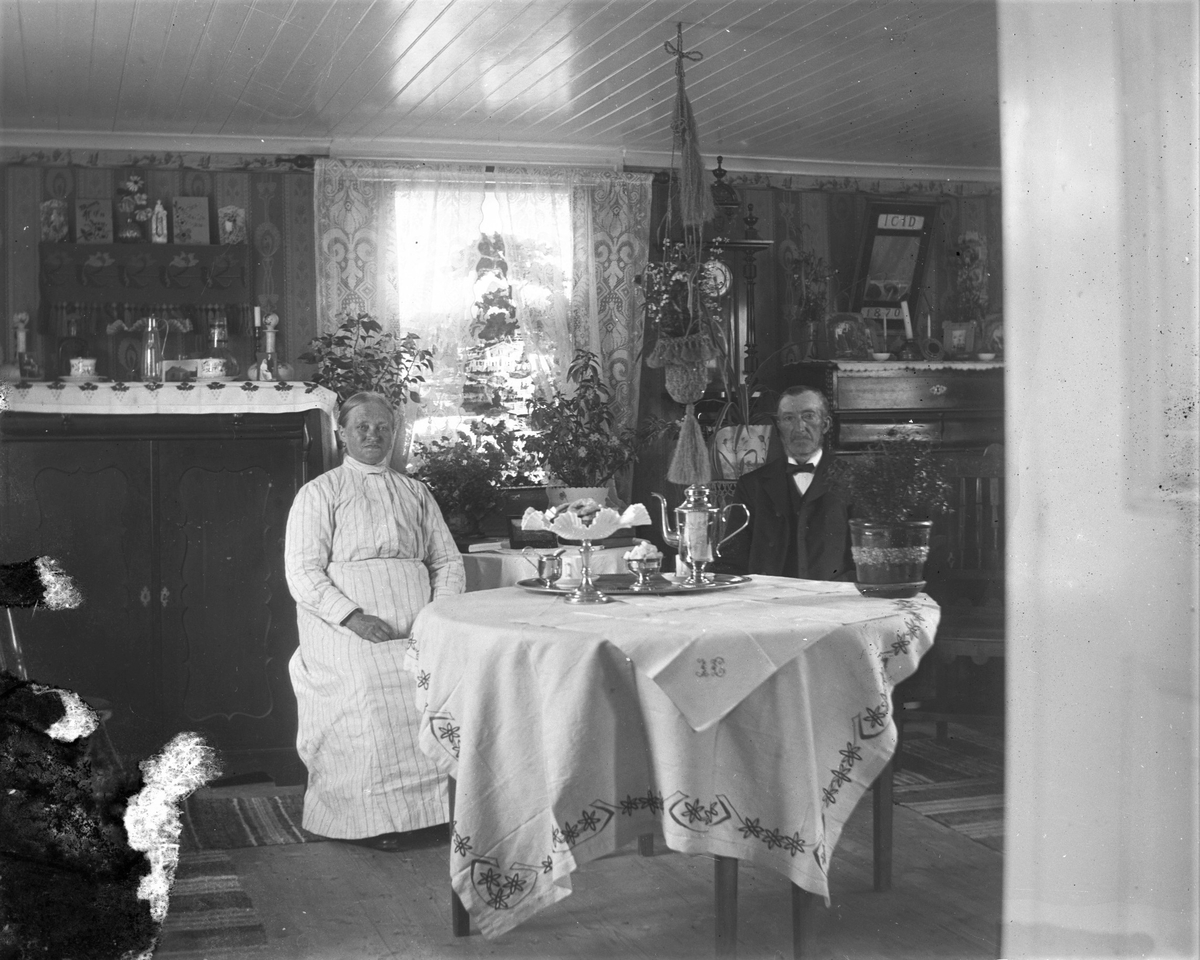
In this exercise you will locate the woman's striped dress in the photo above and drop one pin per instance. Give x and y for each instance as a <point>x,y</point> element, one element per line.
<point>363,536</point>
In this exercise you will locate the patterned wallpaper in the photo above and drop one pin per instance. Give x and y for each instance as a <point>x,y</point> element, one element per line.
<point>279,223</point>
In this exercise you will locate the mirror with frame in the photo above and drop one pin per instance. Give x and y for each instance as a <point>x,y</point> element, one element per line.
<point>891,266</point>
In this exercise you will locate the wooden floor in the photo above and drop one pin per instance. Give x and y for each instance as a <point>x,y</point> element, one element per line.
<point>328,901</point>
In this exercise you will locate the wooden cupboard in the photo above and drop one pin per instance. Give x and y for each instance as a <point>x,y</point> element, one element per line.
<point>172,526</point>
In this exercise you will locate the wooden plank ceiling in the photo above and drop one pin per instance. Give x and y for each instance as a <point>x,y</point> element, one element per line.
<point>782,83</point>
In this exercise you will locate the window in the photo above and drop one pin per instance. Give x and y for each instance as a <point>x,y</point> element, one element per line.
<point>491,298</point>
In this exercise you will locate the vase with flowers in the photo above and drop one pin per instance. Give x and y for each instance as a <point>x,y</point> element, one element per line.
<point>133,209</point>
<point>895,490</point>
<point>575,435</point>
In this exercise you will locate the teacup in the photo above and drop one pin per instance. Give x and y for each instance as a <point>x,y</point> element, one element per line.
<point>212,367</point>
<point>83,366</point>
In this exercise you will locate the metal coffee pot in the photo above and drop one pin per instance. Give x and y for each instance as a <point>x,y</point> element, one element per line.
<point>699,531</point>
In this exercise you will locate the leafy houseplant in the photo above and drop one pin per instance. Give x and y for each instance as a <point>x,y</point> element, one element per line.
<point>894,492</point>
<point>899,479</point>
<point>357,355</point>
<point>464,474</point>
<point>683,297</point>
<point>576,437</point>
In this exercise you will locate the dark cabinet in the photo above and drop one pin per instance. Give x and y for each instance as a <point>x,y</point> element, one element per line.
<point>173,527</point>
<point>960,406</point>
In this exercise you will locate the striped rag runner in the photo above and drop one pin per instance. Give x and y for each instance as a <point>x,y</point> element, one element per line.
<point>210,915</point>
<point>215,822</point>
<point>959,781</point>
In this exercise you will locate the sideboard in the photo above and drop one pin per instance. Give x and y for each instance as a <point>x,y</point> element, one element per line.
<point>168,510</point>
<point>958,404</point>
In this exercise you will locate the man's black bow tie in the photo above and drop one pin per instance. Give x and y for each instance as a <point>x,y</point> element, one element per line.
<point>794,468</point>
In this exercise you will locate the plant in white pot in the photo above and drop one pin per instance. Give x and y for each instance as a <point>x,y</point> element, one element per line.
<point>895,490</point>
<point>576,437</point>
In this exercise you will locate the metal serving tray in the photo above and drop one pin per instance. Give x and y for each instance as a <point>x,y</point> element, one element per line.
<point>618,584</point>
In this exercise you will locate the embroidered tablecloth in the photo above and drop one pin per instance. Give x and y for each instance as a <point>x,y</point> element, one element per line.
<point>199,397</point>
<point>746,723</point>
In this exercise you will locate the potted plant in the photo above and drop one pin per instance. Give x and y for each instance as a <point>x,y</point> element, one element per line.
<point>895,490</point>
<point>683,294</point>
<point>358,355</point>
<point>465,474</point>
<point>575,433</point>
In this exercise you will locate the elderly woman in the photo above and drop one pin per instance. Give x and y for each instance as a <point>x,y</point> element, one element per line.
<point>366,549</point>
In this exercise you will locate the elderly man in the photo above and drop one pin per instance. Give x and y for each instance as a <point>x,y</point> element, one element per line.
<point>797,512</point>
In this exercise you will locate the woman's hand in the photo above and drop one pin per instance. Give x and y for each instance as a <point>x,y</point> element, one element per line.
<point>370,628</point>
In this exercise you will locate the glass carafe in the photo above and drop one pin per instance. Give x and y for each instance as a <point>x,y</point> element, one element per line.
<point>151,354</point>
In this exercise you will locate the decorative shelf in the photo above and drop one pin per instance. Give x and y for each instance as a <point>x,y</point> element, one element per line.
<point>144,273</point>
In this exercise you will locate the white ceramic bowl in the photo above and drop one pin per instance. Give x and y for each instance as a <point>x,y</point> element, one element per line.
<point>880,356</point>
<point>986,356</point>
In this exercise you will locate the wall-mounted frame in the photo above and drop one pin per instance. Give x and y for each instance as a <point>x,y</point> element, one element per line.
<point>891,266</point>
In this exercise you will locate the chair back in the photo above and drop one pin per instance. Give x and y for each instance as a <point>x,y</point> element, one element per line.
<point>970,566</point>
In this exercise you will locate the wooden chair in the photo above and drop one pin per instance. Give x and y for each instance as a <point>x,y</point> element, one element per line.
<point>965,575</point>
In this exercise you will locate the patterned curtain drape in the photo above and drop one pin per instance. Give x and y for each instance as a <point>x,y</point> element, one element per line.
<point>611,222</point>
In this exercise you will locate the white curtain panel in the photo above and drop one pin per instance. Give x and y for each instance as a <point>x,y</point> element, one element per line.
<point>536,224</point>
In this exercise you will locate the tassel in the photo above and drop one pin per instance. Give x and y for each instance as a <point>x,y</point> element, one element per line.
<point>695,197</point>
<point>690,464</point>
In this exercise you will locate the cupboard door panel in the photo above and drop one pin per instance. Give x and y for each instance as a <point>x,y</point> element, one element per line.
<point>229,623</point>
<point>89,505</point>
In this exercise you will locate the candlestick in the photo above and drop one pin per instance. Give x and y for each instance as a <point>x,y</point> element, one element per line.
<point>908,333</point>
<point>257,317</point>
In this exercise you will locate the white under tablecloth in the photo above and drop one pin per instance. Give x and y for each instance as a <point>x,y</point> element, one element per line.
<point>487,570</point>
<point>565,749</point>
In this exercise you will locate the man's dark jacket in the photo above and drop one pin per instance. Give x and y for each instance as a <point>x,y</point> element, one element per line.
<point>766,545</point>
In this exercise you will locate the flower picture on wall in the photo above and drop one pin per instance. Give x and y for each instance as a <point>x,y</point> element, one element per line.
<point>191,220</point>
<point>93,221</point>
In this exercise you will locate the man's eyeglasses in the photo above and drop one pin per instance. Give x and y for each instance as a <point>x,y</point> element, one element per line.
<point>809,417</point>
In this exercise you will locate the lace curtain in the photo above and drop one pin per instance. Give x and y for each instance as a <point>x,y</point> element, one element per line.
<point>413,276</point>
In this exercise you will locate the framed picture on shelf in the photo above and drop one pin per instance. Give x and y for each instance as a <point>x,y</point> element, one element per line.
<point>231,225</point>
<point>958,340</point>
<point>93,221</point>
<point>190,220</point>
